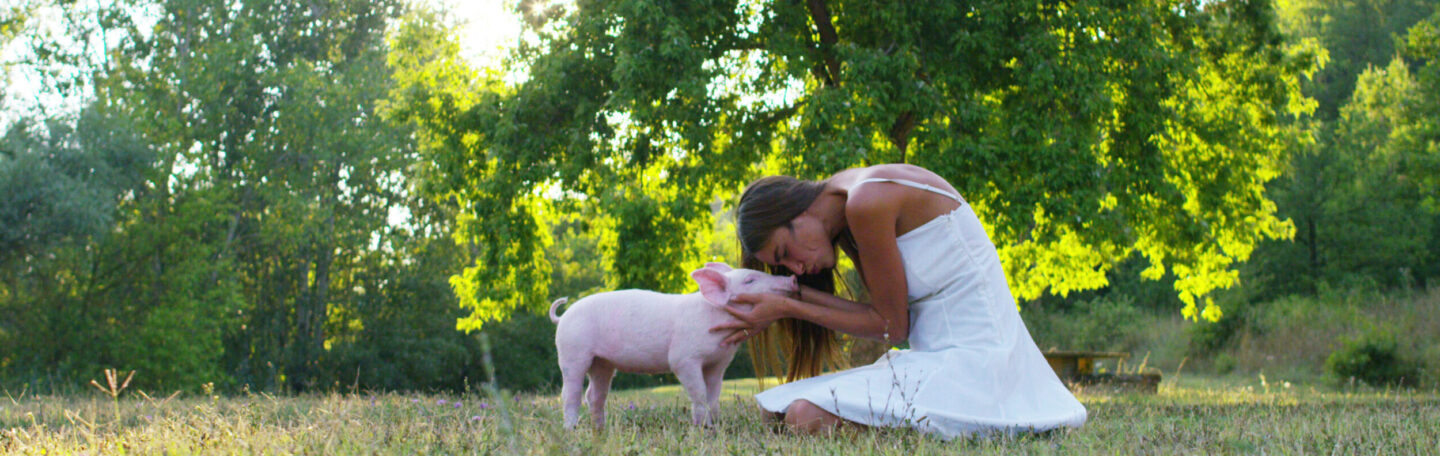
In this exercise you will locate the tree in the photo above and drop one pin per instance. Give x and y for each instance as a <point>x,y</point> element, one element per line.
<point>273,123</point>
<point>60,187</point>
<point>1083,133</point>
<point>1356,35</point>
<point>1355,194</point>
<point>1422,139</point>
<point>221,211</point>
<point>1382,223</point>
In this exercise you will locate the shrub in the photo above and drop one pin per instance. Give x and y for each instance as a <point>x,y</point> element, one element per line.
<point>1107,323</point>
<point>1372,357</point>
<point>1224,363</point>
<point>522,349</point>
<point>1207,337</point>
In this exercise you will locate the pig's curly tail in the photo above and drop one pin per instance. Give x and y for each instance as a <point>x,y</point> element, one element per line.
<point>555,306</point>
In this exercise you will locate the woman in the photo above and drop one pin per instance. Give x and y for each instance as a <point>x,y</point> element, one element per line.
<point>933,279</point>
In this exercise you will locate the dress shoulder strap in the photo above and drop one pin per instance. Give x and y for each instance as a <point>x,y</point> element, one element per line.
<point>913,184</point>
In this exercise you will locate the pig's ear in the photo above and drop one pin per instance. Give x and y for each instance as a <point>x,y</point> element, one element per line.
<point>722,267</point>
<point>713,285</point>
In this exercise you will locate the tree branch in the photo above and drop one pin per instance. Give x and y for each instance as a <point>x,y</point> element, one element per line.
<point>900,132</point>
<point>820,13</point>
<point>780,114</point>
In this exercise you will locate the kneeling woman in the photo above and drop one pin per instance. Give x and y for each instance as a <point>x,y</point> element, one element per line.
<point>934,279</point>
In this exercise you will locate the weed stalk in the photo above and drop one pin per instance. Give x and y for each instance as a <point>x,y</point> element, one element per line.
<point>492,387</point>
<point>113,389</point>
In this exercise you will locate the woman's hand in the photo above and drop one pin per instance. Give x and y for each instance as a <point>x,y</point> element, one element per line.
<point>764,309</point>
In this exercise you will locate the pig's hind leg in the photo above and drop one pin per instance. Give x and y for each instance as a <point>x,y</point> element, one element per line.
<point>601,372</point>
<point>572,373</point>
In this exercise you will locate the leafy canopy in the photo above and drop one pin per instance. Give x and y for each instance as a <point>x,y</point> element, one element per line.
<point>1082,132</point>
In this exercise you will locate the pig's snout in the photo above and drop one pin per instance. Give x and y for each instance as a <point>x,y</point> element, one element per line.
<point>788,285</point>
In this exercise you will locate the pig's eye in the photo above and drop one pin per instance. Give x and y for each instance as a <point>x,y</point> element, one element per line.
<point>749,280</point>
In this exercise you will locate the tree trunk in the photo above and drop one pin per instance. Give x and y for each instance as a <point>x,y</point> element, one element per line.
<point>1314,246</point>
<point>320,292</point>
<point>900,132</point>
<point>820,13</point>
<point>297,373</point>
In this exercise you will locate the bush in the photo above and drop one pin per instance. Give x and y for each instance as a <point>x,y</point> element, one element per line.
<point>1108,323</point>
<point>1224,363</point>
<point>522,350</point>
<point>1374,358</point>
<point>1208,337</point>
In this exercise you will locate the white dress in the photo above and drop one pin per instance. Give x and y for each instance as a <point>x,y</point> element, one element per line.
<point>971,365</point>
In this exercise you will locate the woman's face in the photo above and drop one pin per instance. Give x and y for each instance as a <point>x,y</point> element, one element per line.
<point>803,248</point>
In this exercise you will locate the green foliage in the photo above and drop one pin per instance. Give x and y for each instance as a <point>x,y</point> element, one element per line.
<point>220,209</point>
<point>274,125</point>
<point>1422,137</point>
<point>399,334</point>
<point>62,189</point>
<point>1358,194</point>
<point>12,19</point>
<point>1083,133</point>
<point>1294,336</point>
<point>524,353</point>
<point>574,254</point>
<point>1109,323</point>
<point>1373,357</point>
<point>1224,363</point>
<point>435,91</point>
<point>1386,226</point>
<point>224,214</point>
<point>62,182</point>
<point>1212,336</point>
<point>1356,36</point>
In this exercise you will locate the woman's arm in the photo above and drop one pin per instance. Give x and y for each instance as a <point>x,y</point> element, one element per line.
<point>827,300</point>
<point>840,314</point>
<point>872,216</point>
<point>872,219</point>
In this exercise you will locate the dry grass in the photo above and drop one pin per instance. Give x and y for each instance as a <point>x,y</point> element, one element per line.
<point>1193,415</point>
<point>1294,336</point>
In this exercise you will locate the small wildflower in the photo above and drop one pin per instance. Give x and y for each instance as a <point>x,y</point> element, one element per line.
<point>475,418</point>
<point>457,404</point>
<point>484,405</point>
<point>632,405</point>
<point>414,401</point>
<point>440,402</point>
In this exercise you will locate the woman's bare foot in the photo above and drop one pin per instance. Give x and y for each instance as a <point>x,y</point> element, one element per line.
<point>805,417</point>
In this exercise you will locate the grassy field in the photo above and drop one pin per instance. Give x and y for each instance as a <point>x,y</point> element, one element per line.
<point>1191,416</point>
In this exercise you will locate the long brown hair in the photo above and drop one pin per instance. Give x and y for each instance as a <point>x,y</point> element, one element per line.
<point>768,204</point>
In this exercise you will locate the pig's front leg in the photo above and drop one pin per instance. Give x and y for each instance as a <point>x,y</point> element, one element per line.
<point>691,374</point>
<point>714,375</point>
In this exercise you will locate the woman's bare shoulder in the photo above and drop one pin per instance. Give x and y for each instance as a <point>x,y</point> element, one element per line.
<point>850,179</point>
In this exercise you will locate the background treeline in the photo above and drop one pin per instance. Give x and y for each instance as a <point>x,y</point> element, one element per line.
<point>1354,296</point>
<point>244,195</point>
